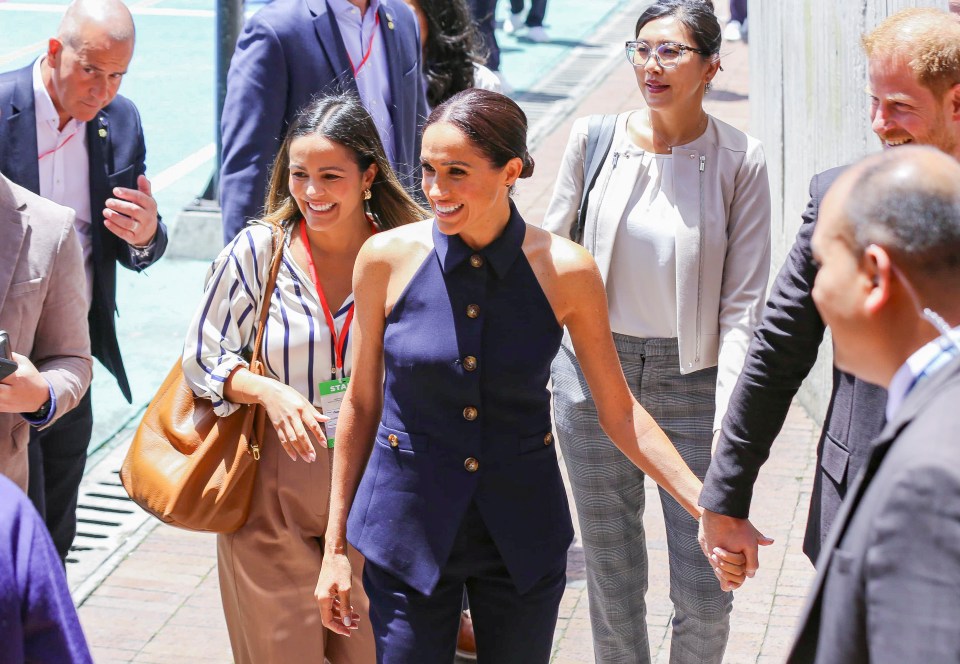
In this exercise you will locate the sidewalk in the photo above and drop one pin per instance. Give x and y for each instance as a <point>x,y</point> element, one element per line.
<point>161,603</point>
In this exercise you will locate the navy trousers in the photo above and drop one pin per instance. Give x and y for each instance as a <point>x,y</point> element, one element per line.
<point>412,628</point>
<point>484,13</point>
<point>58,456</point>
<point>738,10</point>
<point>538,8</point>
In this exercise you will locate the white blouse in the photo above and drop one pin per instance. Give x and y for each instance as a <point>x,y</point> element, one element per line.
<point>297,345</point>
<point>642,283</point>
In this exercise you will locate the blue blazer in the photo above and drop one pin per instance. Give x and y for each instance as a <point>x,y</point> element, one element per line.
<point>37,620</point>
<point>289,52</point>
<point>116,151</point>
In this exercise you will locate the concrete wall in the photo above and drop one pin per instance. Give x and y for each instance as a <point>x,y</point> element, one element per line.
<point>809,107</point>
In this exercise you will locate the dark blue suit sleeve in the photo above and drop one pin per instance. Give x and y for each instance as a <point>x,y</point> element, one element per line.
<point>254,113</point>
<point>38,622</point>
<point>130,258</point>
<point>783,350</point>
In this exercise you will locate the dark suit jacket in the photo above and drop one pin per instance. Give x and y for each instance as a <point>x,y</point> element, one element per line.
<point>289,52</point>
<point>117,152</point>
<point>888,582</point>
<point>783,350</point>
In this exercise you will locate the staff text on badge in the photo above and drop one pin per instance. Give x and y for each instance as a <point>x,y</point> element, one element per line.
<point>331,396</point>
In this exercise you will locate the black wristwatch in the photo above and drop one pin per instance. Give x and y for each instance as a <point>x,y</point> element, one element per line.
<point>41,413</point>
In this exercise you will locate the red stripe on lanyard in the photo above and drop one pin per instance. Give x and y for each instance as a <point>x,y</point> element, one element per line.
<point>339,343</point>
<point>366,56</point>
<point>50,152</point>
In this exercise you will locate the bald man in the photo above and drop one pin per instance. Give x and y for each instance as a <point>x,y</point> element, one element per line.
<point>66,135</point>
<point>888,244</point>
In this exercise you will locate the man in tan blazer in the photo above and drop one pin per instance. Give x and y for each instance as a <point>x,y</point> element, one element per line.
<point>43,308</point>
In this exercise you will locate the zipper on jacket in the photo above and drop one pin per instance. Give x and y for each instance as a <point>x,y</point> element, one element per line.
<point>603,192</point>
<point>703,161</point>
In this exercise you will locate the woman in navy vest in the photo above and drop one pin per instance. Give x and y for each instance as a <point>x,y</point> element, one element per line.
<point>445,461</point>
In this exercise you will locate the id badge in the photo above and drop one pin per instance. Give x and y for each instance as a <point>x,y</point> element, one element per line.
<point>331,396</point>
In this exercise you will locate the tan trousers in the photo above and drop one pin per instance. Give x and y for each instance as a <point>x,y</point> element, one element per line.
<point>269,568</point>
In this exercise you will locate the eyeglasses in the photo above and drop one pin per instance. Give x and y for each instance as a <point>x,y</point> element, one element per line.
<point>668,54</point>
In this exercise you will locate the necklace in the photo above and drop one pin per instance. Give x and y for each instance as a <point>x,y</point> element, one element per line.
<point>683,140</point>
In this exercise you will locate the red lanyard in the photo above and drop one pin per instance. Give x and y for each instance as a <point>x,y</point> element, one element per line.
<point>50,152</point>
<point>366,56</point>
<point>339,344</point>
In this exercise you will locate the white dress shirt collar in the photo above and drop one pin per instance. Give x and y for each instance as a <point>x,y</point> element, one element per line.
<point>345,7</point>
<point>45,110</point>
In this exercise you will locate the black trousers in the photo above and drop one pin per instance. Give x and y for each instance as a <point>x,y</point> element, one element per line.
<point>58,455</point>
<point>484,14</point>
<point>411,628</point>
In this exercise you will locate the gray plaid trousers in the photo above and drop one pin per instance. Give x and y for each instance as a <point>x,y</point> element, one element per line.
<point>608,491</point>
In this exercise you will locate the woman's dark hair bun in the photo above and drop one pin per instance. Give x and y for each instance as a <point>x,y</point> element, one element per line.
<point>493,123</point>
<point>528,165</point>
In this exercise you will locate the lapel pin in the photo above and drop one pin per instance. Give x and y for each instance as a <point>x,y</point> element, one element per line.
<point>389,21</point>
<point>102,132</point>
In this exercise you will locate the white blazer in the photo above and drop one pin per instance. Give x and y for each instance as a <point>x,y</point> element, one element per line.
<point>722,247</point>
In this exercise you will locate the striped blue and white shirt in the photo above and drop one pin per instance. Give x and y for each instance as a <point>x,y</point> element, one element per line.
<point>923,363</point>
<point>297,348</point>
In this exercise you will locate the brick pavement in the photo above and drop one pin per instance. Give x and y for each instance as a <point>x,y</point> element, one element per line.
<point>161,603</point>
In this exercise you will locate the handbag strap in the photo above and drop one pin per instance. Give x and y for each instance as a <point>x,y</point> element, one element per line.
<point>279,239</point>
<point>600,129</point>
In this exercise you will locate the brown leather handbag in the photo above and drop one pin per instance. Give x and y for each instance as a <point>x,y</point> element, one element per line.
<point>189,467</point>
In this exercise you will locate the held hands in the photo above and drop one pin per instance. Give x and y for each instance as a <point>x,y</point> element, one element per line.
<point>333,594</point>
<point>720,536</point>
<point>25,390</point>
<point>292,416</point>
<point>132,215</point>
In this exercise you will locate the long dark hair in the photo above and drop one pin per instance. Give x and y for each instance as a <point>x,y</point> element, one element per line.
<point>494,124</point>
<point>342,119</point>
<point>451,49</point>
<point>697,16</point>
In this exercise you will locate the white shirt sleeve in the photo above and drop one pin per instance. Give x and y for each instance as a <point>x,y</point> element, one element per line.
<point>225,322</point>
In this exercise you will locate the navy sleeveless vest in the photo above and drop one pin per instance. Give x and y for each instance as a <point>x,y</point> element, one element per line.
<point>466,417</point>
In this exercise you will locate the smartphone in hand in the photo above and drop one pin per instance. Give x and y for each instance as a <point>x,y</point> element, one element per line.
<point>7,365</point>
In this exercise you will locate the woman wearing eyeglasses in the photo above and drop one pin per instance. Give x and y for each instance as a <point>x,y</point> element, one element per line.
<point>678,220</point>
